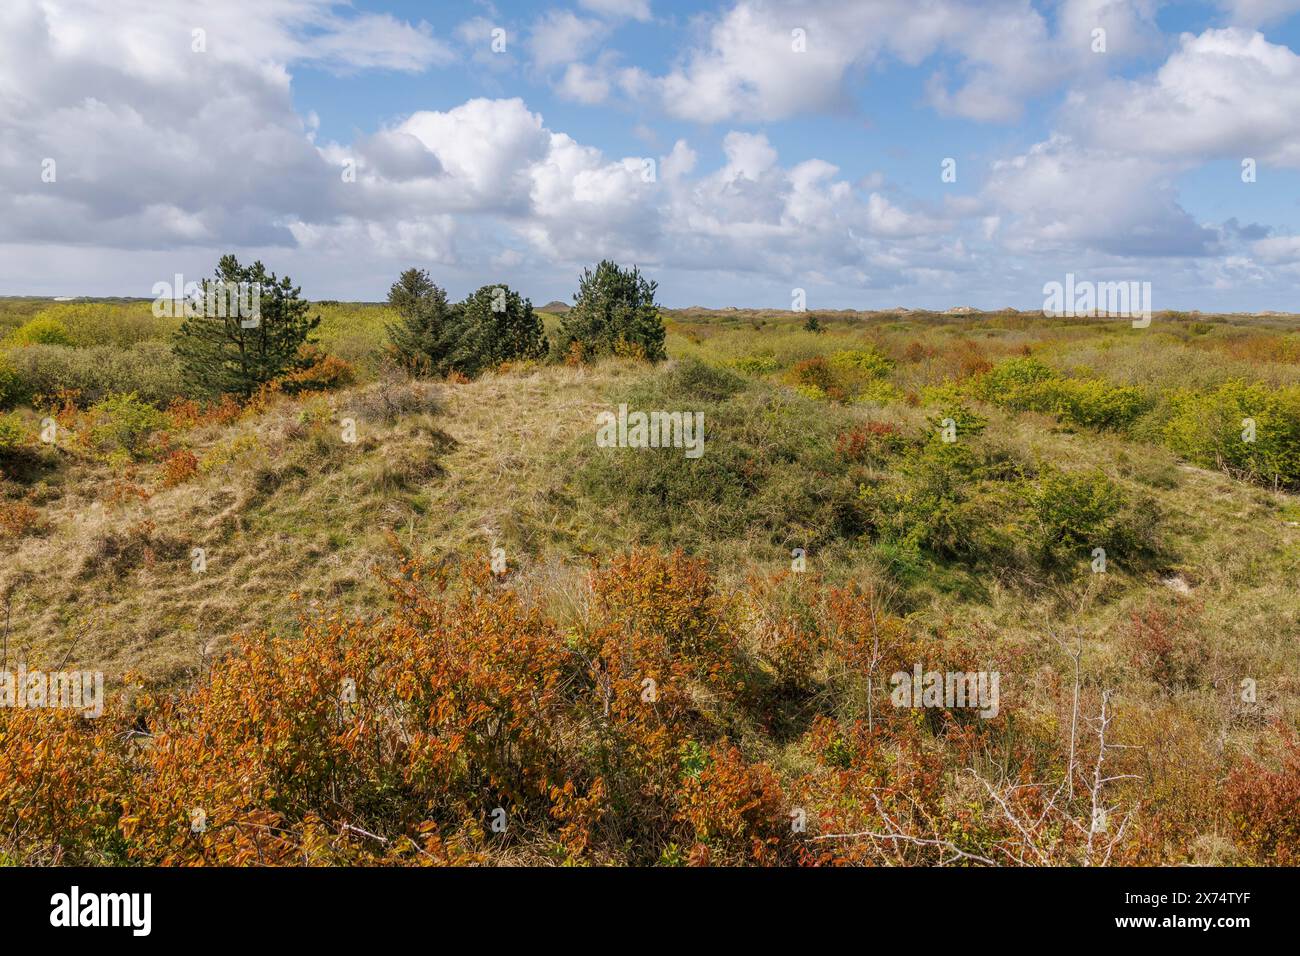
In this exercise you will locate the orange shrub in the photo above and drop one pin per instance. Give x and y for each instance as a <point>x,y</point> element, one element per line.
<point>179,467</point>
<point>738,811</point>
<point>869,442</point>
<point>320,372</point>
<point>19,519</point>
<point>60,785</point>
<point>663,651</point>
<point>1164,646</point>
<point>186,413</point>
<point>817,372</point>
<point>1264,807</point>
<point>383,737</point>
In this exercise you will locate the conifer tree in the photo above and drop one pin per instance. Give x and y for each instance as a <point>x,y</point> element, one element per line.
<point>225,351</point>
<point>615,312</point>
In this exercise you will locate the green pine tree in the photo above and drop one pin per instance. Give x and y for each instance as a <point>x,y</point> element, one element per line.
<point>500,326</point>
<point>235,354</point>
<point>615,312</point>
<point>426,338</point>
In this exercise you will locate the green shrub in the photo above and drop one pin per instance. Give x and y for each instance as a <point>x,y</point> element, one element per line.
<point>11,386</point>
<point>974,501</point>
<point>768,471</point>
<point>109,323</point>
<point>935,501</point>
<point>1074,513</point>
<point>755,364</point>
<point>13,436</point>
<point>1010,379</point>
<point>1092,403</point>
<point>41,330</point>
<point>869,360</point>
<point>1212,429</point>
<point>878,392</point>
<point>123,423</point>
<point>698,381</point>
<point>150,369</point>
<point>1026,384</point>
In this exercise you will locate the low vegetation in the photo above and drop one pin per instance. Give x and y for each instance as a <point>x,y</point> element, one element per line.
<point>382,599</point>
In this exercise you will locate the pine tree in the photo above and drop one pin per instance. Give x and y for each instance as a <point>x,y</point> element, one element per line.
<point>500,326</point>
<point>225,351</point>
<point>615,312</point>
<point>426,336</point>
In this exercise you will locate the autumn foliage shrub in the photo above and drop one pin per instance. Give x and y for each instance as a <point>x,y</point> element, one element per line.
<point>19,519</point>
<point>738,811</point>
<point>869,443</point>
<point>1264,807</point>
<point>179,467</point>
<point>61,784</point>
<point>663,651</point>
<point>461,725</point>
<point>317,371</point>
<point>394,739</point>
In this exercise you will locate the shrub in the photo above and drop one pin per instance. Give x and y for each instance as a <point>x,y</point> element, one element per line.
<point>737,810</point>
<point>317,371</point>
<point>1073,513</point>
<point>768,470</point>
<point>122,324</point>
<point>1026,384</point>
<point>660,634</point>
<point>149,369</point>
<point>869,361</point>
<point>124,423</point>
<point>18,519</point>
<point>60,787</point>
<point>1091,403</point>
<point>755,364</point>
<point>929,501</point>
<point>11,389</point>
<point>13,435</point>
<point>179,467</point>
<point>1264,807</point>
<point>614,312</point>
<point>1211,429</point>
<point>41,330</point>
<point>870,443</point>
<point>1011,379</point>
<point>413,727</point>
<point>816,373</point>
<point>1164,647</point>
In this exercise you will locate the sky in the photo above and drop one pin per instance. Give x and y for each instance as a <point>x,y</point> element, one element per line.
<point>873,154</point>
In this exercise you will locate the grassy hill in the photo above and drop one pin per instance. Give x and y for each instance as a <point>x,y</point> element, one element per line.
<point>978,554</point>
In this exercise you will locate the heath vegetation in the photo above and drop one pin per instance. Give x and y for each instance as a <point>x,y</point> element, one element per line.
<point>365,589</point>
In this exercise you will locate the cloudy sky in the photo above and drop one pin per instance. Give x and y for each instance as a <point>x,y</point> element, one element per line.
<point>734,151</point>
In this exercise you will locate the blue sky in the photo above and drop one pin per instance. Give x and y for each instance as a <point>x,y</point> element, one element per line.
<point>774,168</point>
